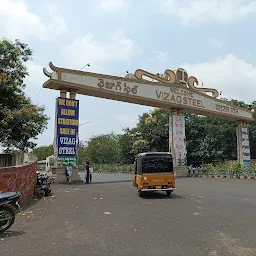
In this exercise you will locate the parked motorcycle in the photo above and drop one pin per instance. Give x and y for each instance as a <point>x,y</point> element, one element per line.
<point>9,206</point>
<point>44,183</point>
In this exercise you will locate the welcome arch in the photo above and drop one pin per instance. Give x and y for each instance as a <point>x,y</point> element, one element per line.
<point>173,90</point>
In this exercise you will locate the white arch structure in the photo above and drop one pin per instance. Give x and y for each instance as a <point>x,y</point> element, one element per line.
<point>173,90</point>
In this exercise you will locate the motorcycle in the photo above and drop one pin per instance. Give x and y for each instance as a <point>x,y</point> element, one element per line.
<point>9,206</point>
<point>44,184</point>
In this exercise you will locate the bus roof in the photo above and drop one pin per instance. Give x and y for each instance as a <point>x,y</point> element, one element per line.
<point>153,153</point>
<point>41,162</point>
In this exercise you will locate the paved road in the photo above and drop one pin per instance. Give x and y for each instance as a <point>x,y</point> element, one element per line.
<point>203,217</point>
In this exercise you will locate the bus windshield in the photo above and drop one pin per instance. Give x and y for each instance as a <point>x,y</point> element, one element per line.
<point>157,165</point>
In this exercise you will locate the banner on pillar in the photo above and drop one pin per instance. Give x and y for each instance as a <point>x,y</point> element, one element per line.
<point>179,139</point>
<point>245,146</point>
<point>67,123</point>
<point>65,161</point>
<point>170,134</point>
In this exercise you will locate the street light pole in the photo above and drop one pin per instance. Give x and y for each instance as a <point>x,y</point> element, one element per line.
<point>78,140</point>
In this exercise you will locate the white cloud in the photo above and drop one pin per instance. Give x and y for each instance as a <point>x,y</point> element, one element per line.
<point>41,96</point>
<point>161,56</point>
<point>126,120</point>
<point>233,76</point>
<point>198,11</point>
<point>117,47</point>
<point>18,22</point>
<point>110,6</point>
<point>215,43</point>
<point>36,77</point>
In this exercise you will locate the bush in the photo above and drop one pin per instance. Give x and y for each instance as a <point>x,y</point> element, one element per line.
<point>206,169</point>
<point>223,169</point>
<point>124,168</point>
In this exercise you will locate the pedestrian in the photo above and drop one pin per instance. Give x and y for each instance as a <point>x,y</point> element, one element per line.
<point>190,169</point>
<point>87,171</point>
<point>90,172</point>
<point>69,172</point>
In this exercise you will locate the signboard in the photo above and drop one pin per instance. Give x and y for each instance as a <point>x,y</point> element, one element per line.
<point>172,91</point>
<point>65,161</point>
<point>67,123</point>
<point>179,140</point>
<point>245,146</point>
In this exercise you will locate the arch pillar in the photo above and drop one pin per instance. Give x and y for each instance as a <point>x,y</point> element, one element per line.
<point>72,95</point>
<point>177,141</point>
<point>63,93</point>
<point>243,145</point>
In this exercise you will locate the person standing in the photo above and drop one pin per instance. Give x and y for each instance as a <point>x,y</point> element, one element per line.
<point>190,169</point>
<point>90,172</point>
<point>87,171</point>
<point>69,172</point>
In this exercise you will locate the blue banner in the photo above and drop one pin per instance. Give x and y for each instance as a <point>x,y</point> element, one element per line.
<point>67,127</point>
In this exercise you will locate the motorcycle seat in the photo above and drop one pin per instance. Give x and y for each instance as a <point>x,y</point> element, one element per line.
<point>7,195</point>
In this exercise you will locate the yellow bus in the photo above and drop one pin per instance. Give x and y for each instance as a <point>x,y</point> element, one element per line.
<point>154,172</point>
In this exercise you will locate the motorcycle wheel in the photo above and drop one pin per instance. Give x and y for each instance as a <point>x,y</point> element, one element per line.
<point>47,192</point>
<point>7,218</point>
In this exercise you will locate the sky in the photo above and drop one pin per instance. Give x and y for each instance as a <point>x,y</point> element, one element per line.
<point>213,40</point>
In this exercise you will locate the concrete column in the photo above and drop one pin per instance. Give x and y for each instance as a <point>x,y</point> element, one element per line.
<point>179,112</point>
<point>72,95</point>
<point>170,133</point>
<point>243,145</point>
<point>63,93</point>
<point>180,161</point>
<point>239,142</point>
<point>173,112</point>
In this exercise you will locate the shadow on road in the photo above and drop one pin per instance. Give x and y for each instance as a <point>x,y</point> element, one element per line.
<point>159,195</point>
<point>107,182</point>
<point>96,182</point>
<point>31,203</point>
<point>11,233</point>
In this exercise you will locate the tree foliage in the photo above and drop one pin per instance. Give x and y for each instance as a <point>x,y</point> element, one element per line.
<point>20,120</point>
<point>103,149</point>
<point>207,139</point>
<point>43,152</point>
<point>140,146</point>
<point>153,128</point>
<point>126,142</point>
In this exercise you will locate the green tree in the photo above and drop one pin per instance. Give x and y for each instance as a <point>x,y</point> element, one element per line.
<point>252,139</point>
<point>103,149</point>
<point>153,128</point>
<point>208,139</point>
<point>43,152</point>
<point>82,152</point>
<point>140,146</point>
<point>126,141</point>
<point>20,120</point>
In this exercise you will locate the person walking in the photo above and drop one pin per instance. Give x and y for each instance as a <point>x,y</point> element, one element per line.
<point>69,172</point>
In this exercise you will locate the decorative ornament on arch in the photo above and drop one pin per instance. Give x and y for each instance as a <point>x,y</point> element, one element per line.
<point>177,76</point>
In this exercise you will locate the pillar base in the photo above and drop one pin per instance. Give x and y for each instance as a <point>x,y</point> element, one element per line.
<point>60,177</point>
<point>181,171</point>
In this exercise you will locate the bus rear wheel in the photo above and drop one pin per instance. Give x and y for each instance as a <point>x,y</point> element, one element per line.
<point>168,193</point>
<point>141,194</point>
